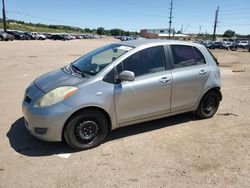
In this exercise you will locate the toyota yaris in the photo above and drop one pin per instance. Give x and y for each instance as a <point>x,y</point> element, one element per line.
<point>118,85</point>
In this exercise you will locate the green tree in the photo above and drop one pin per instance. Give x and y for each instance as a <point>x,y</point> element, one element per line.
<point>87,30</point>
<point>229,33</point>
<point>100,31</point>
<point>115,32</point>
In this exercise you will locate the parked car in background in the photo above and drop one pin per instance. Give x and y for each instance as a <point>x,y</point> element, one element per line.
<point>58,37</point>
<point>243,44</point>
<point>218,44</point>
<point>48,35</point>
<point>38,36</point>
<point>121,84</point>
<point>209,44</point>
<point>72,37</point>
<point>234,46</point>
<point>85,36</point>
<point>226,45</point>
<point>230,45</point>
<point>16,34</point>
<point>10,37</point>
<point>66,36</point>
<point>126,38</point>
<point>78,36</point>
<point>27,36</point>
<point>5,36</point>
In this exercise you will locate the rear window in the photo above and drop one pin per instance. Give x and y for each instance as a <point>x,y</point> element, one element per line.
<point>199,58</point>
<point>185,56</point>
<point>215,59</point>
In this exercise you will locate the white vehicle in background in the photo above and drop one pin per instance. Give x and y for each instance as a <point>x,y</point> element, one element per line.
<point>243,44</point>
<point>72,37</point>
<point>38,36</point>
<point>226,45</point>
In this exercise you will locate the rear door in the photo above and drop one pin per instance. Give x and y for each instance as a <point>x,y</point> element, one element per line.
<point>190,73</point>
<point>149,94</point>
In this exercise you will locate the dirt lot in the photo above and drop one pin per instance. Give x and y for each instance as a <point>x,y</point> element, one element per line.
<point>180,151</point>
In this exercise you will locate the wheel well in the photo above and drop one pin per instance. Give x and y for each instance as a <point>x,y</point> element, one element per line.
<point>93,108</point>
<point>217,90</point>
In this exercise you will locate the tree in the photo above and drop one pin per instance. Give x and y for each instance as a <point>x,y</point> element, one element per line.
<point>229,33</point>
<point>115,32</point>
<point>127,33</point>
<point>87,30</point>
<point>100,31</point>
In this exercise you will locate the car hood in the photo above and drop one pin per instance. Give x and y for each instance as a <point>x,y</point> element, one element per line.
<point>55,79</point>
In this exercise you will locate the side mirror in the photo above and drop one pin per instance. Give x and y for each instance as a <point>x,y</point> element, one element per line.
<point>126,76</point>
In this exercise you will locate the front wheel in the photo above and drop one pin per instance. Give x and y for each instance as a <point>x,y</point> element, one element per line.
<point>86,129</point>
<point>209,105</point>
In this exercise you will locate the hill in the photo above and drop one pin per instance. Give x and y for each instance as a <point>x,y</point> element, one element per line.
<point>23,26</point>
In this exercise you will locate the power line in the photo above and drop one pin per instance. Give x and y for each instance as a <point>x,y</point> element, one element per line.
<point>236,9</point>
<point>200,29</point>
<point>44,18</point>
<point>232,25</point>
<point>59,21</point>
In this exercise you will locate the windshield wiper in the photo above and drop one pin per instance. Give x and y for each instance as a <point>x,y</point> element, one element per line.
<point>77,70</point>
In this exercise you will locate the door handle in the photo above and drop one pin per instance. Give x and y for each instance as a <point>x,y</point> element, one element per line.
<point>203,72</point>
<point>165,79</point>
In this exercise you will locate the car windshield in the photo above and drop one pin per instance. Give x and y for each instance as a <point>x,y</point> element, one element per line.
<point>95,61</point>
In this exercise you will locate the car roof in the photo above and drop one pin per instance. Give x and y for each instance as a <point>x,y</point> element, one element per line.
<point>148,42</point>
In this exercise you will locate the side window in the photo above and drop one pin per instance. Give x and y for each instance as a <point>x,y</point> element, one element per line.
<point>199,58</point>
<point>147,61</point>
<point>183,56</point>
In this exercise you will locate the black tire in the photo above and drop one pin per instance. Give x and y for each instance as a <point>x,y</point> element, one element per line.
<point>86,129</point>
<point>1,39</point>
<point>209,105</point>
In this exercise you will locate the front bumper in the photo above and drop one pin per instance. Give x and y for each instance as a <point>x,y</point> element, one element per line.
<point>44,123</point>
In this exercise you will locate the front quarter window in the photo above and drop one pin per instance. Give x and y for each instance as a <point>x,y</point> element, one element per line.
<point>95,61</point>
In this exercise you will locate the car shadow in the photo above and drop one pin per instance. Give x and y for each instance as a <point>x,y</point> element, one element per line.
<point>150,126</point>
<point>24,143</point>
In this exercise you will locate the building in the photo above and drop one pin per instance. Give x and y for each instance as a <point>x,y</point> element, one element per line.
<point>163,34</point>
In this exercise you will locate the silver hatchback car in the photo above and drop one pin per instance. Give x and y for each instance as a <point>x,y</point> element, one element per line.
<point>121,84</point>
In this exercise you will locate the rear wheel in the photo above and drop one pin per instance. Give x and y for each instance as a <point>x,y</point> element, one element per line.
<point>209,105</point>
<point>86,129</point>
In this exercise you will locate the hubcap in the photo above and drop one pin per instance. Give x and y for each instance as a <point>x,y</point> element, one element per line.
<point>209,104</point>
<point>86,131</point>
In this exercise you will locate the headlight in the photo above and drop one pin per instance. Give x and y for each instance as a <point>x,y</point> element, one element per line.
<point>57,95</point>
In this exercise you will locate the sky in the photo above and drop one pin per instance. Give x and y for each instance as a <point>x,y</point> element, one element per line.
<point>193,16</point>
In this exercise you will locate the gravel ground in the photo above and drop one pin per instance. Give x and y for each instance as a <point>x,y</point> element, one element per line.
<point>180,151</point>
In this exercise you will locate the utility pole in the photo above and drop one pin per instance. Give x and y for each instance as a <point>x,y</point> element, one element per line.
<point>170,19</point>
<point>215,23</point>
<point>4,17</point>
<point>200,29</point>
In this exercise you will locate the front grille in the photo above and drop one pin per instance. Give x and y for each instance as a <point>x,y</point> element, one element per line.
<point>27,99</point>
